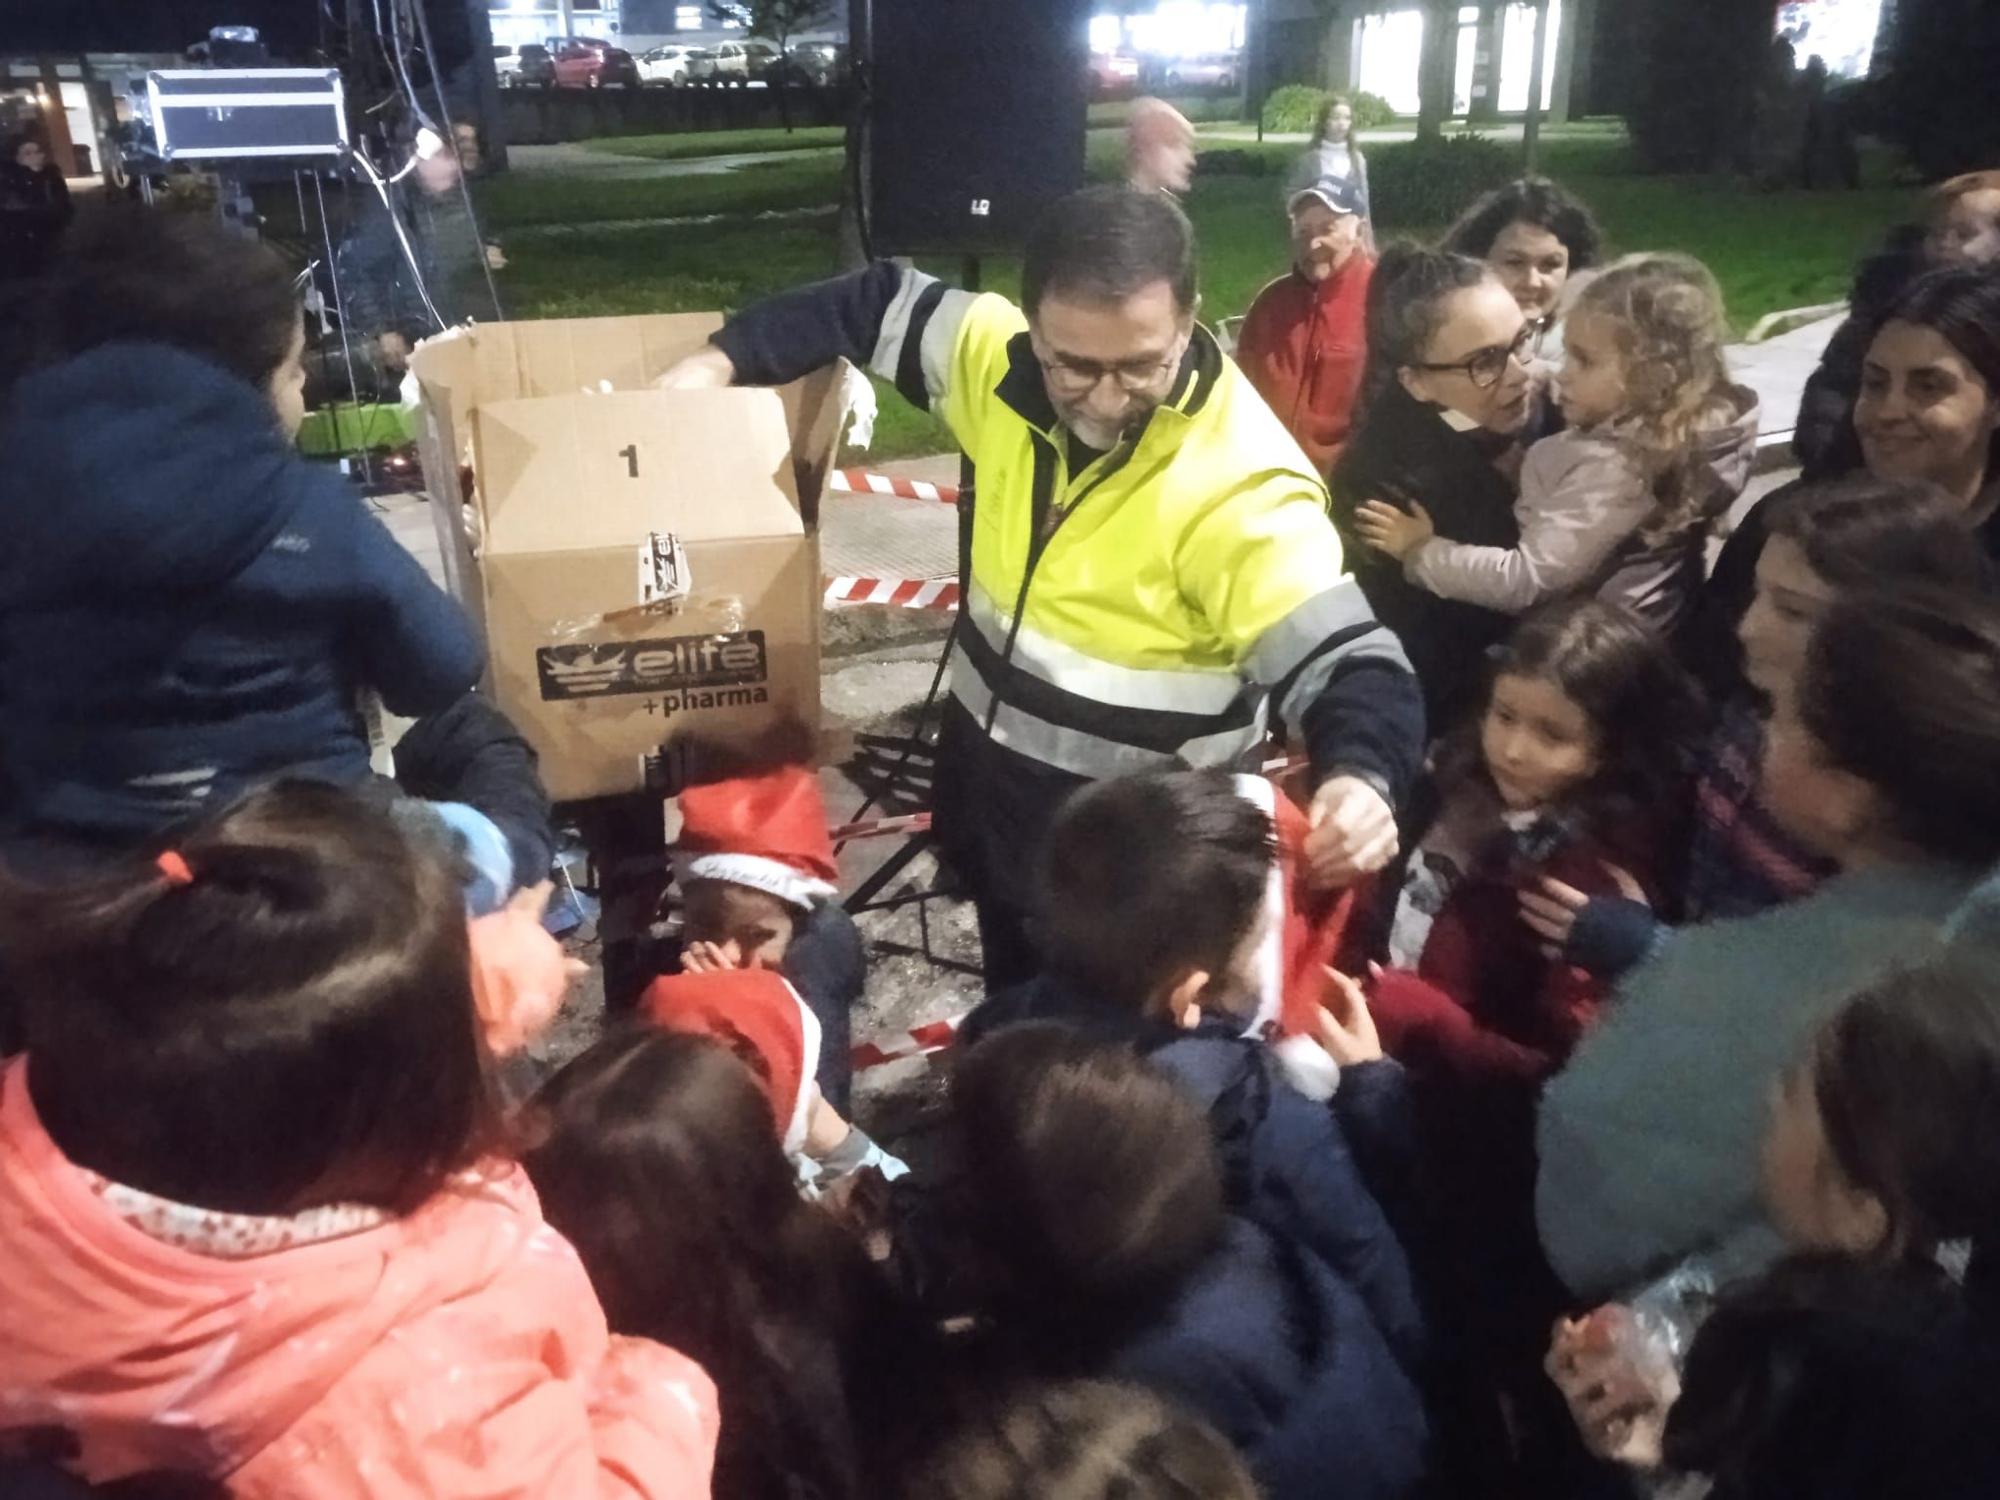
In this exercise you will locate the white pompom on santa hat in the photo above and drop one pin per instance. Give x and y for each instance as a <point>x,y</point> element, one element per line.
<point>1302,928</point>
<point>767,832</point>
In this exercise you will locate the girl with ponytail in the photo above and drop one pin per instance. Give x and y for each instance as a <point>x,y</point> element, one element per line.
<point>255,1204</point>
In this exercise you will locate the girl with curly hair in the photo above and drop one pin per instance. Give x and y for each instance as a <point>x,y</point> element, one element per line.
<point>1659,443</point>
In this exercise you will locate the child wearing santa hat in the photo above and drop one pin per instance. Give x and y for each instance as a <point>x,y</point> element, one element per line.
<point>764,1021</point>
<point>757,872</point>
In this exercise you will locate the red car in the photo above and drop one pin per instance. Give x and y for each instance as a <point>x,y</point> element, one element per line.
<point>1113,72</point>
<point>583,63</point>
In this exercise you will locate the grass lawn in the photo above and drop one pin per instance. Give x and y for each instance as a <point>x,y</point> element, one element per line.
<point>686,145</point>
<point>1769,250</point>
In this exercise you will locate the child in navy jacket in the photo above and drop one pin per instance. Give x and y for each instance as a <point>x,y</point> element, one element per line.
<point>187,607</point>
<point>1154,919</point>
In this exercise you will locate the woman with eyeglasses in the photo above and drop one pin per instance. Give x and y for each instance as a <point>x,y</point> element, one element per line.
<point>1445,403</point>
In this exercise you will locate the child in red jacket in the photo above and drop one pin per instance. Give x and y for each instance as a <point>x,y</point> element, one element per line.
<point>1572,771</point>
<point>1575,770</point>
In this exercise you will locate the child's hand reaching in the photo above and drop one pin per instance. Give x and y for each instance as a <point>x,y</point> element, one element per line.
<point>710,958</point>
<point>1618,1399</point>
<point>519,973</point>
<point>1551,908</point>
<point>1398,533</point>
<point>1346,1029</point>
<point>826,1130</point>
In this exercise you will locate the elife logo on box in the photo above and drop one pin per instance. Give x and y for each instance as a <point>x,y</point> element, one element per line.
<point>606,670</point>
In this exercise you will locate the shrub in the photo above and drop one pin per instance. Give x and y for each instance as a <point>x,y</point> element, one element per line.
<point>1296,107</point>
<point>1424,185</point>
<point>1233,163</point>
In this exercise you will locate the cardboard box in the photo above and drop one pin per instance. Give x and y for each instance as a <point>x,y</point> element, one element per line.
<point>646,563</point>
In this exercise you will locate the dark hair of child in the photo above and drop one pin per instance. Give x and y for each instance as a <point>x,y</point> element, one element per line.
<point>1148,878</point>
<point>1083,1440</point>
<point>1098,1189</point>
<point>1828,1378</point>
<point>289,1026</point>
<point>1907,1080</point>
<point>658,1160</point>
<point>1857,530</point>
<point>1644,708</point>
<point>141,276</point>
<point>1902,690</point>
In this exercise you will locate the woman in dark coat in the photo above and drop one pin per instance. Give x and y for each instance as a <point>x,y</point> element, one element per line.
<point>1447,398</point>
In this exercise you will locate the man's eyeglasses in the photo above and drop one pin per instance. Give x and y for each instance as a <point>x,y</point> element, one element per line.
<point>1078,377</point>
<point>1486,367</point>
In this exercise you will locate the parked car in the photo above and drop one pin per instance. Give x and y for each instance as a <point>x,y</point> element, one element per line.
<point>529,67</point>
<point>585,63</point>
<point>667,66</point>
<point>1216,70</point>
<point>761,63</point>
<point>730,64</point>
<point>818,63</point>
<point>700,64</point>
<point>1113,72</point>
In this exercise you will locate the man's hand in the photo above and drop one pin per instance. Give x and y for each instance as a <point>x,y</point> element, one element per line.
<point>706,369</point>
<point>1398,533</point>
<point>1353,832</point>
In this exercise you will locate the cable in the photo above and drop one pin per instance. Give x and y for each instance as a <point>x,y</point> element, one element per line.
<point>340,310</point>
<point>451,142</point>
<point>402,238</point>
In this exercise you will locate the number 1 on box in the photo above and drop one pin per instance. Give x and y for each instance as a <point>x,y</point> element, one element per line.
<point>630,454</point>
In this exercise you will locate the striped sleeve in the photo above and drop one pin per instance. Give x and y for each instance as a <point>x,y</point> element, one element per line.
<point>892,320</point>
<point>1265,568</point>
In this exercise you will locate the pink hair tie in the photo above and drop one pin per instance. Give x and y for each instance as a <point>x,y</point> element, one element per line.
<point>174,867</point>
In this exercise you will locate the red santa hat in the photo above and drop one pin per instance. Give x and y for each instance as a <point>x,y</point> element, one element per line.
<point>1302,930</point>
<point>760,1018</point>
<point>767,832</point>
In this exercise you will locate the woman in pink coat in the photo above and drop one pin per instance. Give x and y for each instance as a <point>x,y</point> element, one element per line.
<point>251,1212</point>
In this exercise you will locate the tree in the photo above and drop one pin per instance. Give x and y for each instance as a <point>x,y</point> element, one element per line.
<point>777,22</point>
<point>1436,66</point>
<point>1692,78</point>
<point>1937,98</point>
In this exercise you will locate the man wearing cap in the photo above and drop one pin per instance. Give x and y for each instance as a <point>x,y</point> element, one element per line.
<point>1151,577</point>
<point>1305,339</point>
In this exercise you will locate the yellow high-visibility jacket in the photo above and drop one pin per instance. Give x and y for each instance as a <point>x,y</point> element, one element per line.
<point>1149,608</point>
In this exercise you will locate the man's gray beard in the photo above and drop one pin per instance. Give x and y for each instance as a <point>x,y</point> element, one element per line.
<point>1104,436</point>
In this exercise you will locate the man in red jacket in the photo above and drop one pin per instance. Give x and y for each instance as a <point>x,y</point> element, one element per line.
<point>1304,340</point>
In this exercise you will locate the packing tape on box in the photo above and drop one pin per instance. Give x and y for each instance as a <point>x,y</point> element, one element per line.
<point>861,482</point>
<point>898,593</point>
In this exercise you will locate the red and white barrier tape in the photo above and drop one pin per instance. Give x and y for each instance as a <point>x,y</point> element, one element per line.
<point>918,1041</point>
<point>861,482</point>
<point>875,828</point>
<point>899,593</point>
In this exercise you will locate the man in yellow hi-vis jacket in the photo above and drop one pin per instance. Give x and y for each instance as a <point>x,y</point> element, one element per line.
<point>1152,573</point>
